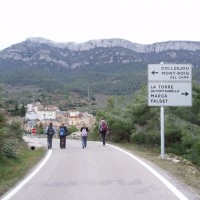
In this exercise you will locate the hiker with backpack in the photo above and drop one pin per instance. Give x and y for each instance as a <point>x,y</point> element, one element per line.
<point>84,133</point>
<point>62,134</point>
<point>50,131</point>
<point>103,129</point>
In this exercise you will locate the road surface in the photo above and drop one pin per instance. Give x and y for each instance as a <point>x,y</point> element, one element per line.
<point>95,173</point>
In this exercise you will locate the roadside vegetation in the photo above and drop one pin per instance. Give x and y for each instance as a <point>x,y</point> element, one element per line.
<point>135,122</point>
<point>15,156</point>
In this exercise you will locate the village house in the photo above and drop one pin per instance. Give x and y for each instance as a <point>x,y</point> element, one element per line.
<point>37,111</point>
<point>62,116</point>
<point>74,117</point>
<point>39,114</point>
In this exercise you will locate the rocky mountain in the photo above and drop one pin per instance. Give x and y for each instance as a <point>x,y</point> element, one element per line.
<point>104,67</point>
<point>43,53</point>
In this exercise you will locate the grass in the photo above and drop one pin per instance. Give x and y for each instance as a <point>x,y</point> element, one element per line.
<point>12,170</point>
<point>180,168</point>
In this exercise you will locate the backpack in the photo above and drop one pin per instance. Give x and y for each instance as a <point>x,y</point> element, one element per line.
<point>104,127</point>
<point>62,131</point>
<point>84,132</point>
<point>50,131</point>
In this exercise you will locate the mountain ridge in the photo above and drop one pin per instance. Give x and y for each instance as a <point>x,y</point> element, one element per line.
<point>41,52</point>
<point>117,42</point>
<point>107,67</point>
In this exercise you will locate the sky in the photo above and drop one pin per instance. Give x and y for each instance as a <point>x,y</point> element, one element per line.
<point>139,21</point>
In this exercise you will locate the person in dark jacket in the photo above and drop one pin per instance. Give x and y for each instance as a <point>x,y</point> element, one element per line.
<point>62,134</point>
<point>50,131</point>
<point>103,129</point>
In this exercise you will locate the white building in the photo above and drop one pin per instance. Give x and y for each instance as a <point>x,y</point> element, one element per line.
<point>31,115</point>
<point>39,112</point>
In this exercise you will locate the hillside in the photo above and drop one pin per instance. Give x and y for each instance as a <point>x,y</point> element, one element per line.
<point>105,67</point>
<point>39,52</point>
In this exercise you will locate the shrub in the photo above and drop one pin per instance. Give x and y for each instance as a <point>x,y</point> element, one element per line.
<point>176,148</point>
<point>119,128</point>
<point>188,139</point>
<point>194,153</point>
<point>138,137</point>
<point>10,148</point>
<point>143,136</point>
<point>172,135</point>
<point>72,129</point>
<point>15,128</point>
<point>2,120</point>
<point>3,135</point>
<point>152,137</point>
<point>94,133</point>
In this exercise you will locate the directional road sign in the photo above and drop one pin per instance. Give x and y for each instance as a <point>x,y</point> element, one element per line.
<point>169,94</point>
<point>170,72</point>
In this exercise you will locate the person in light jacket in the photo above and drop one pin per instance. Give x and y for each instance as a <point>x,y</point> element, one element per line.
<point>84,133</point>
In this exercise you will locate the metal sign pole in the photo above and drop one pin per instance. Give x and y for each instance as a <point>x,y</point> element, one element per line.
<point>162,132</point>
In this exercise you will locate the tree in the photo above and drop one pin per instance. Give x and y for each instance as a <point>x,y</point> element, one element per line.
<point>72,129</point>
<point>16,110</point>
<point>40,129</point>
<point>22,111</point>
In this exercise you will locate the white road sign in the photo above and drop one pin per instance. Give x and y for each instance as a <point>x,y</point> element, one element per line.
<point>169,94</point>
<point>170,72</point>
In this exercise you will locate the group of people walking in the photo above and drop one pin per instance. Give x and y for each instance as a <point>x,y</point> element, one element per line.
<point>63,132</point>
<point>50,132</point>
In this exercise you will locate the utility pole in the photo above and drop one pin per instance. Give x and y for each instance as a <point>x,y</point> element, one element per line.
<point>88,92</point>
<point>33,97</point>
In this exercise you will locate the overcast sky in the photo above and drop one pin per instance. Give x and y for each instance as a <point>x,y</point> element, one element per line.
<point>139,21</point>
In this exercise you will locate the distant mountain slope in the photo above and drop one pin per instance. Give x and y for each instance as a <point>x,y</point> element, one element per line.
<point>39,52</point>
<point>109,66</point>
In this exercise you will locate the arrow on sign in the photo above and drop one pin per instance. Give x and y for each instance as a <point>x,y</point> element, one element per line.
<point>153,72</point>
<point>185,93</point>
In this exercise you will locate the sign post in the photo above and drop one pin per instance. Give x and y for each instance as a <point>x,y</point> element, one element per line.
<point>169,85</point>
<point>162,119</point>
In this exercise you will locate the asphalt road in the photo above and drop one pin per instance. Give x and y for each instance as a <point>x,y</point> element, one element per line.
<point>95,173</point>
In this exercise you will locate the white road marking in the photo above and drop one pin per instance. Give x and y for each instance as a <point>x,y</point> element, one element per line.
<point>161,178</point>
<point>26,180</point>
